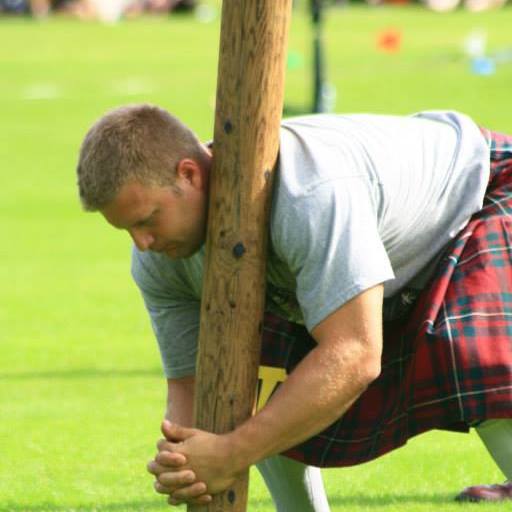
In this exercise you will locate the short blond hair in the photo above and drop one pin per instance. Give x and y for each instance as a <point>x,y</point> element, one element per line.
<point>134,142</point>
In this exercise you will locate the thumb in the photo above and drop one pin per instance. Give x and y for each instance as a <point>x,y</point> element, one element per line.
<point>175,433</point>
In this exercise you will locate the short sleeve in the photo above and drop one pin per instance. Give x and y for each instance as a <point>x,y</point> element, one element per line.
<point>330,240</point>
<point>173,310</point>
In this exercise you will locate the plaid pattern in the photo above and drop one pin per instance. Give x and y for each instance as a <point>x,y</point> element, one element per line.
<point>448,363</point>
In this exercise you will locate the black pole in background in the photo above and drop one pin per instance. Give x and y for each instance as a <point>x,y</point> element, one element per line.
<point>318,58</point>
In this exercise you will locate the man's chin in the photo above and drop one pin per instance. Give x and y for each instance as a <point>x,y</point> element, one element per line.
<point>179,252</point>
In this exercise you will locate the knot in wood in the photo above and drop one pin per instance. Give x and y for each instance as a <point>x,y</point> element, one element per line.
<point>228,127</point>
<point>231,496</point>
<point>238,250</point>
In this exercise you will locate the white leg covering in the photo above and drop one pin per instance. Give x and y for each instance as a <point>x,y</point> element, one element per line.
<point>497,438</point>
<point>294,486</point>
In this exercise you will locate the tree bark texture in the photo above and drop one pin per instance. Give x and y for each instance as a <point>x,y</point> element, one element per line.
<point>250,89</point>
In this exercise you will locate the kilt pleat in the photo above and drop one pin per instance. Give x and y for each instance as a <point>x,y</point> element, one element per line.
<point>448,363</point>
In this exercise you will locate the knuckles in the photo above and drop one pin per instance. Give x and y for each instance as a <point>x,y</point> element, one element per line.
<point>164,458</point>
<point>160,488</point>
<point>150,467</point>
<point>162,444</point>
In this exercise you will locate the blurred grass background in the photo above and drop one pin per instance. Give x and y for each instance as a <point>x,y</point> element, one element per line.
<point>81,390</point>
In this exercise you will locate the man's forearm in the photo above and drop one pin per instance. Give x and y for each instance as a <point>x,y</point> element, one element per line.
<point>180,401</point>
<point>323,386</point>
<point>320,389</point>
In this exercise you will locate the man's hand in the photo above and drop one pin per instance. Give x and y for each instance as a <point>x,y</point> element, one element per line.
<point>208,457</point>
<point>172,476</point>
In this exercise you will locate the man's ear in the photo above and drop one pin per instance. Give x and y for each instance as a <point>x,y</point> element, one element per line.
<point>189,172</point>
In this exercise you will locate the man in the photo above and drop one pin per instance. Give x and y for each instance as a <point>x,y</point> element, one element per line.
<point>377,221</point>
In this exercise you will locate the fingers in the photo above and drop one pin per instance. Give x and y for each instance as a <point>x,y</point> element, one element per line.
<point>192,491</point>
<point>175,479</point>
<point>157,469</point>
<point>175,433</point>
<point>174,458</point>
<point>204,499</point>
<point>179,485</point>
<point>185,493</point>
<point>169,459</point>
<point>163,444</point>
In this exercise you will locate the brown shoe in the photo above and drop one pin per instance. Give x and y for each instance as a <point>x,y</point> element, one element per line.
<point>496,492</point>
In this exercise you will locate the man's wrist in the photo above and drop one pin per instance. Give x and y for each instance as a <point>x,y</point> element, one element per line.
<point>243,449</point>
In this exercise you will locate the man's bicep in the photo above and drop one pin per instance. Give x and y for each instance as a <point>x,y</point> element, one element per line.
<point>359,321</point>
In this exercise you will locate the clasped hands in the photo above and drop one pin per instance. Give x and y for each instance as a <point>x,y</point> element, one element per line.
<point>192,465</point>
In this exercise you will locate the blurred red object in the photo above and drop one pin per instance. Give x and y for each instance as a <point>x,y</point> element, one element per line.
<point>389,40</point>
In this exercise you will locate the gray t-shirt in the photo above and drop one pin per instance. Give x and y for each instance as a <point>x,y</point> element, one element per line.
<point>358,200</point>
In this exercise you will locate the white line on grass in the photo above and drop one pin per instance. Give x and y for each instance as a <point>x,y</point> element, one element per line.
<point>42,91</point>
<point>133,86</point>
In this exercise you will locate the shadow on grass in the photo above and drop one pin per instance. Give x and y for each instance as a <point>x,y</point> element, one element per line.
<point>385,500</point>
<point>400,500</point>
<point>376,502</point>
<point>85,373</point>
<point>129,506</point>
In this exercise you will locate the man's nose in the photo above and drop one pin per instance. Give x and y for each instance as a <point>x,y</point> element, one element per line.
<point>142,239</point>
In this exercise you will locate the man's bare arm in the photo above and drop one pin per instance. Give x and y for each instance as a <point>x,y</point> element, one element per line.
<point>318,391</point>
<point>324,385</point>
<point>180,401</point>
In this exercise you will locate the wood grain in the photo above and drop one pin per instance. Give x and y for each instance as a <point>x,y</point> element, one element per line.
<point>246,139</point>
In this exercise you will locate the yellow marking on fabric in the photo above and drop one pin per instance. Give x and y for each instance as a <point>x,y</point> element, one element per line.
<point>269,379</point>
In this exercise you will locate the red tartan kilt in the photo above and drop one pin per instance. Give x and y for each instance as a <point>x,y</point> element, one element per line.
<point>449,363</point>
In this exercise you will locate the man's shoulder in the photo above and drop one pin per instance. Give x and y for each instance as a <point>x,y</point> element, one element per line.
<point>316,151</point>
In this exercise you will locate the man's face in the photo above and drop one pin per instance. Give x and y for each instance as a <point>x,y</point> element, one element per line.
<point>165,219</point>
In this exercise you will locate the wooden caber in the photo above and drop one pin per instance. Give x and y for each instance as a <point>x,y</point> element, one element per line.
<point>250,89</point>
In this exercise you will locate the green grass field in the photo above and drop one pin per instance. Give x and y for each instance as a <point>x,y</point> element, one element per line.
<point>81,391</point>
